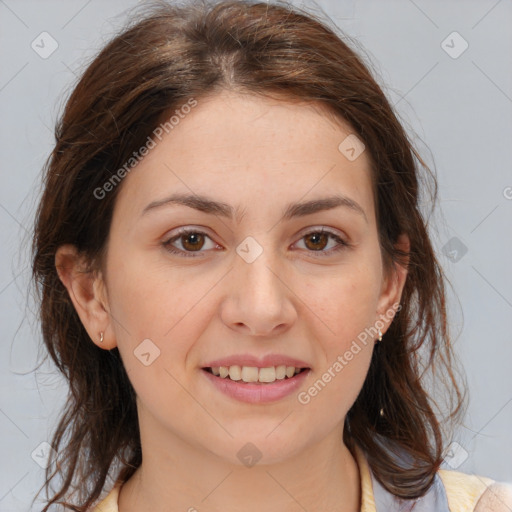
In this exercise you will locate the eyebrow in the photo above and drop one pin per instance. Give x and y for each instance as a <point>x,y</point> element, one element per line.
<point>207,205</point>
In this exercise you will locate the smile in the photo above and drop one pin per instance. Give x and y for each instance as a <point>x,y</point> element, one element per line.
<point>256,385</point>
<point>255,374</point>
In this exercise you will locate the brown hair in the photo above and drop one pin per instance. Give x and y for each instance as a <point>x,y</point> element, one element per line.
<point>156,64</point>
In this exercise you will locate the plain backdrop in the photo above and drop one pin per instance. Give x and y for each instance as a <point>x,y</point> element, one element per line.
<point>446,67</point>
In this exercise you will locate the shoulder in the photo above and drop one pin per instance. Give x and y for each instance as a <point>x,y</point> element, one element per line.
<point>473,493</point>
<point>496,498</point>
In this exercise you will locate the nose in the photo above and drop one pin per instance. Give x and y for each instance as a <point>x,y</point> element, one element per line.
<point>259,300</point>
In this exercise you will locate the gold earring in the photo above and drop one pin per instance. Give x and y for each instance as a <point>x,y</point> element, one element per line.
<point>101,337</point>
<point>380,335</point>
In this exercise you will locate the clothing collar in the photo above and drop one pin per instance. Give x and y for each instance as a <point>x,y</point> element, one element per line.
<point>375,498</point>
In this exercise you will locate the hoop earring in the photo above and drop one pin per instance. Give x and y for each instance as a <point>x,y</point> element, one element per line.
<point>101,337</point>
<point>380,335</point>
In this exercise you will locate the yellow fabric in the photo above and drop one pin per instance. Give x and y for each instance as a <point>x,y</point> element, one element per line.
<point>463,490</point>
<point>367,500</point>
<point>109,504</point>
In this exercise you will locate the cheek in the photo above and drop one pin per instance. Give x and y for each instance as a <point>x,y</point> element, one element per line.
<point>151,299</point>
<point>344,347</point>
<point>171,307</point>
<point>344,303</point>
<point>343,308</point>
<point>155,315</point>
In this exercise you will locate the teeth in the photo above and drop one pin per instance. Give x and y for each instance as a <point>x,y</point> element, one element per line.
<point>235,372</point>
<point>280,372</point>
<point>254,374</point>
<point>267,374</point>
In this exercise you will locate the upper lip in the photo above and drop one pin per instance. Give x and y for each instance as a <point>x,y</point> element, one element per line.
<point>258,362</point>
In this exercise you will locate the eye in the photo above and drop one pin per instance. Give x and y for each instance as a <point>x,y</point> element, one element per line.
<point>318,239</point>
<point>193,240</point>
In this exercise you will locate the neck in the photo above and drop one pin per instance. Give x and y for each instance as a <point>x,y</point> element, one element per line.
<point>177,476</point>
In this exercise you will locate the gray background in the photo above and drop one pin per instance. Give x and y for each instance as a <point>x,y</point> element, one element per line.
<point>458,111</point>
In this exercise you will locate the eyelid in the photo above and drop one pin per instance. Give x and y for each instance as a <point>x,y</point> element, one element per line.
<point>322,228</point>
<point>185,230</point>
<point>341,241</point>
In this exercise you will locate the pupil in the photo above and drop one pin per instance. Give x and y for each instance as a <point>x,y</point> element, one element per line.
<point>316,236</point>
<point>195,238</point>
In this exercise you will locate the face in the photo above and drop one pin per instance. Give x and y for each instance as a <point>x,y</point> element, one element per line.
<point>255,284</point>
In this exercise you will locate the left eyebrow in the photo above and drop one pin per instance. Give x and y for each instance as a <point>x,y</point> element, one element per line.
<point>207,205</point>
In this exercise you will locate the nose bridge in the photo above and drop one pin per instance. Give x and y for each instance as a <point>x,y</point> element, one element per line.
<point>260,296</point>
<point>255,265</point>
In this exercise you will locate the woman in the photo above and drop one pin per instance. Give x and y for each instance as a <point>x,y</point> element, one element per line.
<point>237,280</point>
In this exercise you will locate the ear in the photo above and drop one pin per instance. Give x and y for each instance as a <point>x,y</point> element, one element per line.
<point>87,291</point>
<point>392,286</point>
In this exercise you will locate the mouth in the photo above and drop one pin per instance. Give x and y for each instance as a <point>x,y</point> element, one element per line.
<point>257,385</point>
<point>255,375</point>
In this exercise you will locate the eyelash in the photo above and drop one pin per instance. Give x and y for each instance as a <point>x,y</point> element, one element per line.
<point>342,244</point>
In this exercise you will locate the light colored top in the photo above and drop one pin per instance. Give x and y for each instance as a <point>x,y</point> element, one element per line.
<point>452,491</point>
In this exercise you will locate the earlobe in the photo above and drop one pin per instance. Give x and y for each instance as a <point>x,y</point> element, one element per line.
<point>393,285</point>
<point>86,290</point>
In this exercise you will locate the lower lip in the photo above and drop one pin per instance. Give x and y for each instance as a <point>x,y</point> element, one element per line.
<point>257,393</point>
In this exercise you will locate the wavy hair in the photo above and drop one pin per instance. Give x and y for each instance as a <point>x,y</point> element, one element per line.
<point>161,58</point>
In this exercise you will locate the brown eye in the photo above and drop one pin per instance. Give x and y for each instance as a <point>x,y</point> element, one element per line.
<point>318,240</point>
<point>194,241</point>
<point>191,240</point>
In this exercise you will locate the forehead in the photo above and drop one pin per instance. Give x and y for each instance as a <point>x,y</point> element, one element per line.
<point>253,152</point>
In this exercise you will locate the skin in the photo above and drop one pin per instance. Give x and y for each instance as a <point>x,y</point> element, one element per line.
<point>290,300</point>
